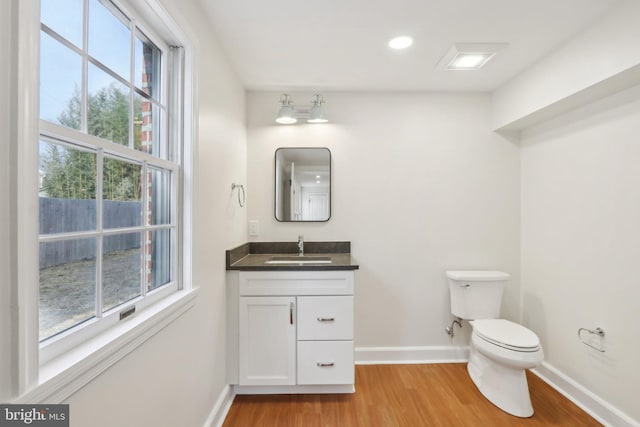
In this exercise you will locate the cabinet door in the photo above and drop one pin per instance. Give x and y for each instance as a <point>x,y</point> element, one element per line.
<point>267,341</point>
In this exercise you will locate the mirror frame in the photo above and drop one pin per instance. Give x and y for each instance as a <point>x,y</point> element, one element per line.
<point>275,184</point>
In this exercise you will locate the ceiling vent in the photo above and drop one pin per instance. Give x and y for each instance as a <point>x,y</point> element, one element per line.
<point>469,56</point>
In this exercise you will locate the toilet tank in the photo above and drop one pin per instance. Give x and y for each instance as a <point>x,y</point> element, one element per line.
<point>476,294</point>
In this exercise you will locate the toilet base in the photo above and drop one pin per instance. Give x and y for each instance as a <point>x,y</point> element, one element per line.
<point>504,386</point>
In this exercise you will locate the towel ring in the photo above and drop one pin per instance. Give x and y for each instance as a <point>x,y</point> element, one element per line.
<point>241,201</point>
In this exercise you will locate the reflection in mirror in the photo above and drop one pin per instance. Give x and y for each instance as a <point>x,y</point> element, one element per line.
<point>303,184</point>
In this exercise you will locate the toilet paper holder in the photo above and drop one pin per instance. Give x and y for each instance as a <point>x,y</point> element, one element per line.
<point>597,331</point>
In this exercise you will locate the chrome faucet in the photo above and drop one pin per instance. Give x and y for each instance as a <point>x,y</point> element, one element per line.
<point>301,245</point>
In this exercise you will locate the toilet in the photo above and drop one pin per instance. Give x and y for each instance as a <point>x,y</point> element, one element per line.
<point>500,350</point>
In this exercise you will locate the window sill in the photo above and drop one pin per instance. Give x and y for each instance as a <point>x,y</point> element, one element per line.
<point>66,374</point>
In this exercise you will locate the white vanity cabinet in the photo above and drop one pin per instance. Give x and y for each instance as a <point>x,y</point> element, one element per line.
<point>292,331</point>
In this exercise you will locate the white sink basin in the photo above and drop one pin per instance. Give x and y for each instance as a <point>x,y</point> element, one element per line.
<point>296,260</point>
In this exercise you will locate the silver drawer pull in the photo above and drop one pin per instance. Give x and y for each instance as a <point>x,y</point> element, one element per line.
<point>325,364</point>
<point>326,319</point>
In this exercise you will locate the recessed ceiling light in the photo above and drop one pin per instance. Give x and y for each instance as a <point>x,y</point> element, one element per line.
<point>401,42</point>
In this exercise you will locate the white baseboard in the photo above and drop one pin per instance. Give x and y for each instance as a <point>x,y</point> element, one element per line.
<point>407,355</point>
<point>221,408</point>
<point>295,389</point>
<point>595,406</point>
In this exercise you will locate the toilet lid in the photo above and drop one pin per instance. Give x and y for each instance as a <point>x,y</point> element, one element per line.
<point>506,334</point>
<point>478,276</point>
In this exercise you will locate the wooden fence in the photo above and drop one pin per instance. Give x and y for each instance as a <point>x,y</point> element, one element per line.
<point>68,215</point>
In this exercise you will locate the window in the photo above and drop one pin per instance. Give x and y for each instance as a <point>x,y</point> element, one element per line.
<point>109,167</point>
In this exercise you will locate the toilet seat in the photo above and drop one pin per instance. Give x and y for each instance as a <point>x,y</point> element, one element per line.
<point>506,334</point>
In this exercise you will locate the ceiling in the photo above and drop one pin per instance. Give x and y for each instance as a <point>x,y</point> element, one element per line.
<point>342,44</point>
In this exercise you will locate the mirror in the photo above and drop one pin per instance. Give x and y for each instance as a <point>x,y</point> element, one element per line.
<point>303,184</point>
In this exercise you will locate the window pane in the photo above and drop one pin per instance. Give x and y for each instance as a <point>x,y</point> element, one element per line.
<point>108,107</point>
<point>110,37</point>
<point>159,196</point>
<point>158,256</point>
<point>64,17</point>
<point>67,189</point>
<point>121,269</point>
<point>147,118</point>
<point>147,67</point>
<point>60,83</point>
<point>122,194</point>
<point>67,284</point>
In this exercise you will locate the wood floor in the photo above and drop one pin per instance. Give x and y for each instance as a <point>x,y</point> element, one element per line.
<point>404,395</point>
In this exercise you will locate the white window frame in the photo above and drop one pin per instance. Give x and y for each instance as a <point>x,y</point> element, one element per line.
<point>55,379</point>
<point>70,338</point>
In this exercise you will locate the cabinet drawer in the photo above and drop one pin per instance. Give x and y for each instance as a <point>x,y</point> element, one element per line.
<point>296,282</point>
<point>325,362</point>
<point>325,318</point>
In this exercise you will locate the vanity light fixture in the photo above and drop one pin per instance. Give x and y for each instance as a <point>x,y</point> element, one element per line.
<point>286,115</point>
<point>469,56</point>
<point>317,114</point>
<point>289,115</point>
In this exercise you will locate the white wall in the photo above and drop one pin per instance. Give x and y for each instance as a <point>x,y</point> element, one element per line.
<point>420,184</point>
<point>580,243</point>
<point>175,378</point>
<point>600,60</point>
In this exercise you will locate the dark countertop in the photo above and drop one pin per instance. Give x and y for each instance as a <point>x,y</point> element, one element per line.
<point>252,256</point>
